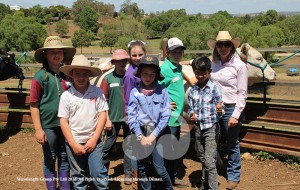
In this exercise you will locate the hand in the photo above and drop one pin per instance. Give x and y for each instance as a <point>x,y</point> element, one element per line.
<point>193,117</point>
<point>173,106</point>
<point>78,149</point>
<point>40,136</point>
<point>145,141</point>
<point>232,122</point>
<point>219,108</point>
<point>108,125</point>
<point>90,145</point>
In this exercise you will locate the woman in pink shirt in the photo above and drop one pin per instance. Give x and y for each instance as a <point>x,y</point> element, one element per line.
<point>231,74</point>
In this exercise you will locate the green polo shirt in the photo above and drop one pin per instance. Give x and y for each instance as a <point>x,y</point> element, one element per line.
<point>46,89</point>
<point>174,83</point>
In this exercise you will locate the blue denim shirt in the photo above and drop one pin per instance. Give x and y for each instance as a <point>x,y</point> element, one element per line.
<point>148,111</point>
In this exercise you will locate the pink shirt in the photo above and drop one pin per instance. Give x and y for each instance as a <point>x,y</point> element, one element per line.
<point>232,78</point>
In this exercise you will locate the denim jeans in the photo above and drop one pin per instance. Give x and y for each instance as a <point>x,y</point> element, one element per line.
<point>54,148</point>
<point>158,163</point>
<point>171,164</point>
<point>88,165</point>
<point>111,138</point>
<point>206,143</point>
<point>232,143</point>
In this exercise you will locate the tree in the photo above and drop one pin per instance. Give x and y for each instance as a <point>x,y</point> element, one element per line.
<point>88,20</point>
<point>79,5</point>
<point>82,38</point>
<point>4,9</point>
<point>62,27</point>
<point>132,9</point>
<point>108,39</point>
<point>20,32</point>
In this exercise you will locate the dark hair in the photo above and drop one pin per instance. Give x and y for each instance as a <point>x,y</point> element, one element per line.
<point>201,63</point>
<point>142,66</point>
<point>136,43</point>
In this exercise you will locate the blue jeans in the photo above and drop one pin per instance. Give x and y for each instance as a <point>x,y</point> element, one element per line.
<point>111,138</point>
<point>158,163</point>
<point>206,143</point>
<point>171,164</point>
<point>84,166</point>
<point>232,143</point>
<point>54,148</point>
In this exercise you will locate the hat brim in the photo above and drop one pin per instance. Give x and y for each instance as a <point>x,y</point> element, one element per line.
<point>160,77</point>
<point>66,69</point>
<point>235,41</point>
<point>69,52</point>
<point>176,46</point>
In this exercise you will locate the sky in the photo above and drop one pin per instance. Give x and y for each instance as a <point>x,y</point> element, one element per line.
<point>191,6</point>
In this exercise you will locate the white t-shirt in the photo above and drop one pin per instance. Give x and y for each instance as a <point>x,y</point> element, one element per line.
<point>82,111</point>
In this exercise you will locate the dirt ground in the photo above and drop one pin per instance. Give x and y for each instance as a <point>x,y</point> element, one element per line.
<point>21,168</point>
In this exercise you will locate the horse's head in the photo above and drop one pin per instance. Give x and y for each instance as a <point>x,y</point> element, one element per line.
<point>258,68</point>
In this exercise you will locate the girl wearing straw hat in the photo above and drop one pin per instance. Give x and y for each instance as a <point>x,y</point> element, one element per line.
<point>46,87</point>
<point>231,74</point>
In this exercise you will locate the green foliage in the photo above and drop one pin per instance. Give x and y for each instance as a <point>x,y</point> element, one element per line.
<point>88,20</point>
<point>108,39</point>
<point>28,130</point>
<point>4,9</point>
<point>261,155</point>
<point>62,27</point>
<point>291,29</point>
<point>21,33</point>
<point>132,9</point>
<point>79,5</point>
<point>82,38</point>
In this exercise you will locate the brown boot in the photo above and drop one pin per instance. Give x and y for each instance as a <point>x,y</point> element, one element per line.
<point>231,185</point>
<point>179,183</point>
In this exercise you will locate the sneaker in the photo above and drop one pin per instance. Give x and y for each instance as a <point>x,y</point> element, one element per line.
<point>180,183</point>
<point>128,180</point>
<point>231,185</point>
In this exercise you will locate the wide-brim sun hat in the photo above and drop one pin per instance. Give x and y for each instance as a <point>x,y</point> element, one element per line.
<point>224,36</point>
<point>120,54</point>
<point>80,62</point>
<point>54,42</point>
<point>149,60</point>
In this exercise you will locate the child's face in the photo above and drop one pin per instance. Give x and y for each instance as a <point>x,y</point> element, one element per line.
<point>136,54</point>
<point>148,75</point>
<point>176,55</point>
<point>54,56</point>
<point>202,76</point>
<point>80,77</point>
<point>120,65</point>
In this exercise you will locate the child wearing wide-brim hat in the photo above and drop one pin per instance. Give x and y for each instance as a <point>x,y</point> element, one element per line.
<point>47,86</point>
<point>83,112</point>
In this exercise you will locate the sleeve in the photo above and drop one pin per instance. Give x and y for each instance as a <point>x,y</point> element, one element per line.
<point>132,110</point>
<point>190,102</point>
<point>101,102</point>
<point>242,86</point>
<point>64,106</point>
<point>128,86</point>
<point>105,88</point>
<point>165,115</point>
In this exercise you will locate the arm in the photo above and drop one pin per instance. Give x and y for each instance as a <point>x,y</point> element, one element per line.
<point>132,110</point>
<point>190,80</point>
<point>105,89</point>
<point>40,135</point>
<point>77,148</point>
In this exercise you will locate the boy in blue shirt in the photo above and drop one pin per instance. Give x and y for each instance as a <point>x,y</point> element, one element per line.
<point>204,102</point>
<point>148,114</point>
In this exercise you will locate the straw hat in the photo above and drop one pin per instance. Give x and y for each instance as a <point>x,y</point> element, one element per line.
<point>120,54</point>
<point>80,62</point>
<point>54,42</point>
<point>224,36</point>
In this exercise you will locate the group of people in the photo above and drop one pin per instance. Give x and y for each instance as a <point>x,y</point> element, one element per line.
<point>146,100</point>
